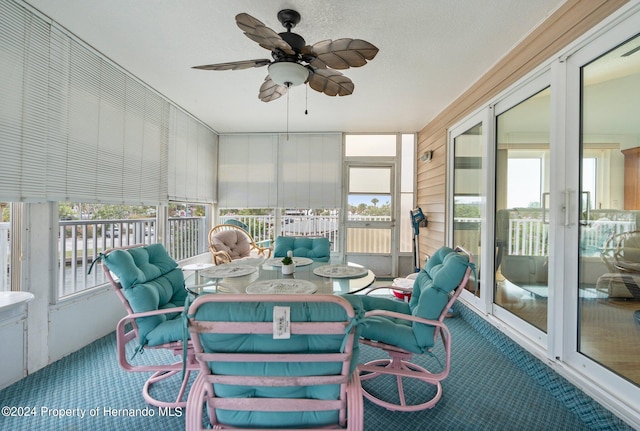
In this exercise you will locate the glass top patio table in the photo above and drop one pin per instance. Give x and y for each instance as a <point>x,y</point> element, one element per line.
<point>265,272</point>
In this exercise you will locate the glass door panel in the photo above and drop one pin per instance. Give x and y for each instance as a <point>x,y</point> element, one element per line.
<point>468,193</point>
<point>369,224</point>
<point>522,219</point>
<point>609,228</point>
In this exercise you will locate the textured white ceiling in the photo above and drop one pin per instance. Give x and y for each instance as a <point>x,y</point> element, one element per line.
<point>430,52</point>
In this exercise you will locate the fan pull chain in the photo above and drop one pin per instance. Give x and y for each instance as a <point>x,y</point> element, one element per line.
<point>306,99</point>
<point>287,115</point>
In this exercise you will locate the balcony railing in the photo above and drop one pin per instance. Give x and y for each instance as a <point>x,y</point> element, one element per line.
<point>530,237</point>
<point>81,241</point>
<point>261,227</point>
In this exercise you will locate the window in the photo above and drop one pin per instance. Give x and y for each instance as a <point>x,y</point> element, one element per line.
<point>85,230</point>
<point>187,229</point>
<point>524,182</point>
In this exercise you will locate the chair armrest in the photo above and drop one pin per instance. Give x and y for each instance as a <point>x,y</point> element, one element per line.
<point>408,317</point>
<point>266,251</point>
<point>123,337</point>
<point>441,329</point>
<point>396,288</point>
<point>221,257</point>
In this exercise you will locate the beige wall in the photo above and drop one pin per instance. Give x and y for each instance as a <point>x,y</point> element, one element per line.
<point>566,24</point>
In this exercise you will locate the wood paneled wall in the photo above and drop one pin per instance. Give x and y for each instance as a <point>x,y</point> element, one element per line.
<point>565,25</point>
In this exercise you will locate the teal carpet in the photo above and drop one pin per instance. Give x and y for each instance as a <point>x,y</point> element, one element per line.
<point>493,385</point>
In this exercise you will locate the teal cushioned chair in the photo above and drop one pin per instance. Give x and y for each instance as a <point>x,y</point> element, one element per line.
<point>404,329</point>
<point>250,378</point>
<point>318,249</point>
<point>151,287</point>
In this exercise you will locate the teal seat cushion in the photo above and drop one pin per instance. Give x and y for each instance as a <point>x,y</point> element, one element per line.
<point>252,343</point>
<point>150,280</point>
<point>318,249</point>
<point>397,332</point>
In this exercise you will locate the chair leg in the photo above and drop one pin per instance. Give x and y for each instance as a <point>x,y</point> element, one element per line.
<point>355,405</point>
<point>158,376</point>
<point>400,367</point>
<point>162,375</point>
<point>195,405</point>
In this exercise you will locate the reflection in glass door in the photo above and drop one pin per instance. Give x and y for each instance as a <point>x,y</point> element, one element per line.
<point>468,194</point>
<point>609,230</point>
<point>522,216</point>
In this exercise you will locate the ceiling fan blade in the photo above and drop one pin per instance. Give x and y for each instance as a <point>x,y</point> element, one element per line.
<point>344,53</point>
<point>269,90</point>
<point>255,30</point>
<point>235,65</point>
<point>331,82</point>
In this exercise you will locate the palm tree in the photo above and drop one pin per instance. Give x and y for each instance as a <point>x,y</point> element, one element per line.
<point>375,201</point>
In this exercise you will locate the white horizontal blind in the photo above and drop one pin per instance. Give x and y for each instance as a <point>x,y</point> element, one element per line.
<point>117,133</point>
<point>193,152</point>
<point>24,53</point>
<point>310,171</point>
<point>268,171</point>
<point>74,126</point>
<point>247,171</point>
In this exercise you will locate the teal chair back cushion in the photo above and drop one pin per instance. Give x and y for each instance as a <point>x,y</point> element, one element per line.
<point>318,249</point>
<point>252,343</point>
<point>442,273</point>
<point>432,291</point>
<point>150,280</point>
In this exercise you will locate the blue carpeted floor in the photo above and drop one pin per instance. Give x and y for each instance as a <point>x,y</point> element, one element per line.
<point>493,385</point>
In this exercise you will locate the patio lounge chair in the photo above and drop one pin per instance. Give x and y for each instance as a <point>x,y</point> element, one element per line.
<point>151,287</point>
<point>405,329</point>
<point>228,242</point>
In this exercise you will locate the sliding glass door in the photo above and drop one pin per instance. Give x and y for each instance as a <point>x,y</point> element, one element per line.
<point>522,218</point>
<point>609,211</point>
<point>468,192</point>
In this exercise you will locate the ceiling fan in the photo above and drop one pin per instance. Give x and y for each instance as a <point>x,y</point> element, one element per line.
<point>296,63</point>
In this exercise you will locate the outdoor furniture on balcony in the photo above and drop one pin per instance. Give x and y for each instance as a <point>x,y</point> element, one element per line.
<point>621,254</point>
<point>151,287</point>
<point>228,242</point>
<point>274,361</point>
<point>405,329</point>
<point>318,249</point>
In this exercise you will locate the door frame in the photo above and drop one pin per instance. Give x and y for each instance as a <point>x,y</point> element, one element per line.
<point>374,261</point>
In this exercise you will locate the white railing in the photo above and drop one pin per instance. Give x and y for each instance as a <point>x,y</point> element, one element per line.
<point>5,256</point>
<point>82,241</point>
<point>187,237</point>
<point>594,234</point>
<point>530,237</point>
<point>261,227</point>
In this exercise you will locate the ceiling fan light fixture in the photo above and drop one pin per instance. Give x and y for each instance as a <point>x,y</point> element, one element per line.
<point>288,74</point>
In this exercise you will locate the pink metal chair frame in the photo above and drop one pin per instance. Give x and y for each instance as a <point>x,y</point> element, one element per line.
<point>161,371</point>
<point>202,392</point>
<point>398,363</point>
